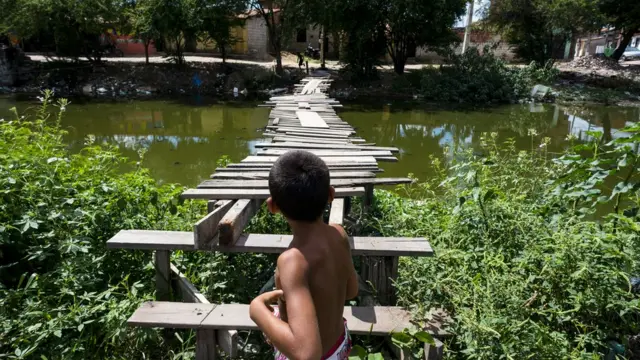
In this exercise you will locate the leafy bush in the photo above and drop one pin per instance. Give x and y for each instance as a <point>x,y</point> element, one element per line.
<point>522,263</point>
<point>476,78</point>
<point>62,295</point>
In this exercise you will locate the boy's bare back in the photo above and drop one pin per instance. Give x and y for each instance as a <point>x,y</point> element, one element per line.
<point>326,254</point>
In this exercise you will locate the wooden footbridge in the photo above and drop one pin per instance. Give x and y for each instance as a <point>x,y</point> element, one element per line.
<point>305,120</point>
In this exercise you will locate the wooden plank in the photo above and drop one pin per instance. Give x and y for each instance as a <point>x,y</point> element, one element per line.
<point>311,119</point>
<point>258,175</point>
<point>163,274</point>
<point>346,152</point>
<point>312,134</point>
<point>208,194</point>
<point>275,244</point>
<point>188,292</point>
<point>206,344</point>
<point>336,215</point>
<point>205,230</point>
<point>362,320</point>
<point>310,140</point>
<point>337,170</point>
<point>303,105</point>
<point>276,121</point>
<point>231,226</point>
<point>333,160</point>
<point>264,184</point>
<point>313,130</point>
<point>151,240</point>
<point>174,315</point>
<point>299,145</point>
<point>332,167</point>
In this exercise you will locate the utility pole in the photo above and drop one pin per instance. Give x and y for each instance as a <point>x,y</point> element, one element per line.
<point>467,30</point>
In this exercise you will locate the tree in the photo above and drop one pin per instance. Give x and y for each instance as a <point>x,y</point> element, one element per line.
<point>625,16</point>
<point>539,29</point>
<point>418,23</point>
<point>218,19</point>
<point>279,19</point>
<point>144,22</point>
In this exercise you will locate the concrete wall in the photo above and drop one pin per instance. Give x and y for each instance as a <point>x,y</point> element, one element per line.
<point>257,38</point>
<point>478,40</point>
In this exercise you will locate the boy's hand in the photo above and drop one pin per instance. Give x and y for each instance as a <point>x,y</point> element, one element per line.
<point>269,298</point>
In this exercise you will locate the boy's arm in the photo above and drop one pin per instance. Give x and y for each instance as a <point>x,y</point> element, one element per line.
<point>300,337</point>
<point>352,281</point>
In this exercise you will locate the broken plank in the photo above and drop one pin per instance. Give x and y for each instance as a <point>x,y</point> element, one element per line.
<point>205,230</point>
<point>209,194</point>
<point>231,226</point>
<point>336,214</point>
<point>311,119</point>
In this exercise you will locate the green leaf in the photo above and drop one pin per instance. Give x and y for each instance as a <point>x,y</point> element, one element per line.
<point>401,339</point>
<point>173,209</point>
<point>57,333</point>
<point>121,203</point>
<point>80,327</point>
<point>489,195</point>
<point>376,356</point>
<point>425,337</point>
<point>357,353</point>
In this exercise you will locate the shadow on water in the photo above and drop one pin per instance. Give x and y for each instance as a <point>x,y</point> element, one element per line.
<point>185,136</point>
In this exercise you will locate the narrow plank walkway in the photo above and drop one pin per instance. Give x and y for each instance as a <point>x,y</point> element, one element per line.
<point>305,120</point>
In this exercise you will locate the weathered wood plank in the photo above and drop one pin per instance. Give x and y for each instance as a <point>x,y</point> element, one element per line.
<point>344,152</point>
<point>332,167</point>
<point>374,320</point>
<point>336,214</point>
<point>272,244</point>
<point>258,175</point>
<point>151,240</point>
<point>299,145</point>
<point>264,184</point>
<point>276,121</point>
<point>206,344</point>
<point>311,119</point>
<point>231,226</point>
<point>187,291</point>
<point>208,194</point>
<point>314,130</point>
<point>311,141</point>
<point>333,160</point>
<point>176,315</point>
<point>205,230</point>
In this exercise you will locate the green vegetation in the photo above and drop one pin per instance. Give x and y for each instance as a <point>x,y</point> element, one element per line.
<point>522,263</point>
<point>525,261</point>
<point>475,79</point>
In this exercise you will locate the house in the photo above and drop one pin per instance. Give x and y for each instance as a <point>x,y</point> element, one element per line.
<point>606,38</point>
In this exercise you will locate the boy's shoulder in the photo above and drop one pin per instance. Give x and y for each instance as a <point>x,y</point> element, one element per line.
<point>292,259</point>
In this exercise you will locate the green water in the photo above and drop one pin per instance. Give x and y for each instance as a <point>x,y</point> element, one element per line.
<point>184,140</point>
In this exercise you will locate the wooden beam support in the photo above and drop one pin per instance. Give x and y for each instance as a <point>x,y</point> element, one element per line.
<point>205,230</point>
<point>233,223</point>
<point>163,274</point>
<point>253,174</point>
<point>264,184</point>
<point>209,194</point>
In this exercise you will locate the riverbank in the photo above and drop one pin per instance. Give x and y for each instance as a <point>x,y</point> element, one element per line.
<point>583,81</point>
<point>125,80</point>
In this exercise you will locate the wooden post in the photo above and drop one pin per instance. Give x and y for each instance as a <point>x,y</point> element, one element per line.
<point>163,275</point>
<point>307,65</point>
<point>434,352</point>
<point>211,205</point>
<point>205,345</point>
<point>381,272</point>
<point>368,198</point>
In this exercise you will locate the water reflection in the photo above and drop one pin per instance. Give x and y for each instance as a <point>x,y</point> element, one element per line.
<point>183,141</point>
<point>420,132</point>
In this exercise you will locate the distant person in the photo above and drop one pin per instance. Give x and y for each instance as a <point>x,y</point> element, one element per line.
<point>300,60</point>
<point>315,275</point>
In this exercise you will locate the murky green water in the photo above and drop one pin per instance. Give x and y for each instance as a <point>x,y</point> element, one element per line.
<point>184,140</point>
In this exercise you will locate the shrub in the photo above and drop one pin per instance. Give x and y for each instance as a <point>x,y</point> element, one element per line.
<point>480,79</point>
<point>522,263</point>
<point>62,295</point>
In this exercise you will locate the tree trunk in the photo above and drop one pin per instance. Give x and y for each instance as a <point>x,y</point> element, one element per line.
<point>223,53</point>
<point>322,49</point>
<point>626,39</point>
<point>279,69</point>
<point>572,47</point>
<point>146,51</point>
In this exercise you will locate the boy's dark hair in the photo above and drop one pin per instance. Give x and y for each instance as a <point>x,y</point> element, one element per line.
<point>299,183</point>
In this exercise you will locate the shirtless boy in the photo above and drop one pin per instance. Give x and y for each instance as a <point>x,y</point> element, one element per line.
<point>315,275</point>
